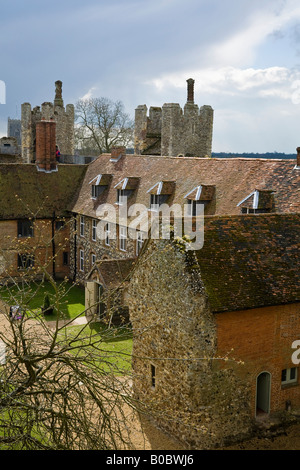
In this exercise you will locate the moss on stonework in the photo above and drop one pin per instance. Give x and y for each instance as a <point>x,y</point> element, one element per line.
<point>25,191</point>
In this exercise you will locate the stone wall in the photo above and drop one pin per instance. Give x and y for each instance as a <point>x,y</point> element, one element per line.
<point>63,116</point>
<point>173,131</point>
<point>14,129</point>
<point>193,398</point>
<point>96,247</point>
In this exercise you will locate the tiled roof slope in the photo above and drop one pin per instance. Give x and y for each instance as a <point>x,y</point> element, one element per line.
<point>234,179</point>
<point>38,193</point>
<point>114,272</point>
<point>251,261</point>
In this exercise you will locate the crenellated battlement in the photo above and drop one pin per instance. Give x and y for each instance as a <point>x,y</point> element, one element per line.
<point>173,131</point>
<point>63,116</point>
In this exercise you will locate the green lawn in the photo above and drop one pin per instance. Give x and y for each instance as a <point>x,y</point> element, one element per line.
<point>114,344</point>
<point>67,299</point>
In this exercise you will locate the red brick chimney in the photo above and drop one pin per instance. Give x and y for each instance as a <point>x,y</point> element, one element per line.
<point>298,156</point>
<point>117,153</point>
<point>46,145</point>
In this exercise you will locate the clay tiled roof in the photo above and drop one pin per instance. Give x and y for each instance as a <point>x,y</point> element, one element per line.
<point>25,191</point>
<point>232,180</point>
<point>113,272</point>
<point>251,261</point>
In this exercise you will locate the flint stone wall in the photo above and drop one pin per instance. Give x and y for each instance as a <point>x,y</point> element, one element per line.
<point>195,398</point>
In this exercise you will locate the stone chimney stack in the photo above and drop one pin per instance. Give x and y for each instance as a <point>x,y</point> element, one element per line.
<point>58,101</point>
<point>46,145</point>
<point>298,156</point>
<point>190,90</point>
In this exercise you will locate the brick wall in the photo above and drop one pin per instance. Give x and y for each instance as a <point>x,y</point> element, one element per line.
<point>40,245</point>
<point>262,339</point>
<point>46,145</point>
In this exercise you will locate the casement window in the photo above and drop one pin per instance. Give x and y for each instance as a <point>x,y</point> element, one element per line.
<point>94,230</point>
<point>107,234</point>
<point>59,225</point>
<point>96,191</point>
<point>82,225</point>
<point>157,200</point>
<point>289,376</point>
<point>122,195</point>
<point>25,261</point>
<point>250,210</point>
<point>25,228</point>
<point>139,242</point>
<point>122,238</point>
<point>65,258</point>
<point>193,207</point>
<point>81,260</point>
<point>93,259</point>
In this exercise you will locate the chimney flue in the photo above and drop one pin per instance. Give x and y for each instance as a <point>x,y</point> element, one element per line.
<point>46,145</point>
<point>190,90</point>
<point>58,100</point>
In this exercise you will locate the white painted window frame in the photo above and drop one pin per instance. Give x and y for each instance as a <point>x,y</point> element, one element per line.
<point>82,225</point>
<point>122,238</point>
<point>81,260</point>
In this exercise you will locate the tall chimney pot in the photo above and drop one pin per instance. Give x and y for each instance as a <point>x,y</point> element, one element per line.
<point>190,90</point>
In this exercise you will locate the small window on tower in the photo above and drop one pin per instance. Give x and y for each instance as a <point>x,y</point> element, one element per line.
<point>153,376</point>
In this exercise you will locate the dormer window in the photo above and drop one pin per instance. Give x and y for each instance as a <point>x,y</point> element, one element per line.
<point>194,207</point>
<point>159,194</point>
<point>125,189</point>
<point>198,198</point>
<point>96,191</point>
<point>258,202</point>
<point>122,195</point>
<point>156,200</point>
<point>99,184</point>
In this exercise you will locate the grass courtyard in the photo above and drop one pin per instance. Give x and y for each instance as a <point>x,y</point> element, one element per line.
<point>67,298</point>
<point>115,344</point>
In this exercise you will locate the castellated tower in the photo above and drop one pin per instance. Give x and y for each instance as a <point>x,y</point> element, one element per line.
<point>63,117</point>
<point>171,131</point>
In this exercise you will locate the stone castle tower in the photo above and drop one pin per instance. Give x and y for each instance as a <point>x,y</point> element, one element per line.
<point>63,117</point>
<point>171,131</point>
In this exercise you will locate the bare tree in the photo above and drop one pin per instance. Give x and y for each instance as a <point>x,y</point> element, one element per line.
<point>102,123</point>
<point>60,388</point>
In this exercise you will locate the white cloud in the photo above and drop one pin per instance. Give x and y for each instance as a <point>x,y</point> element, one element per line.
<point>241,47</point>
<point>89,94</point>
<point>232,81</point>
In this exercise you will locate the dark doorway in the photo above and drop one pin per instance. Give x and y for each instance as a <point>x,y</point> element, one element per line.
<point>263,387</point>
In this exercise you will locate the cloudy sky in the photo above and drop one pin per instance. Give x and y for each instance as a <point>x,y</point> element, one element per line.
<point>243,54</point>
